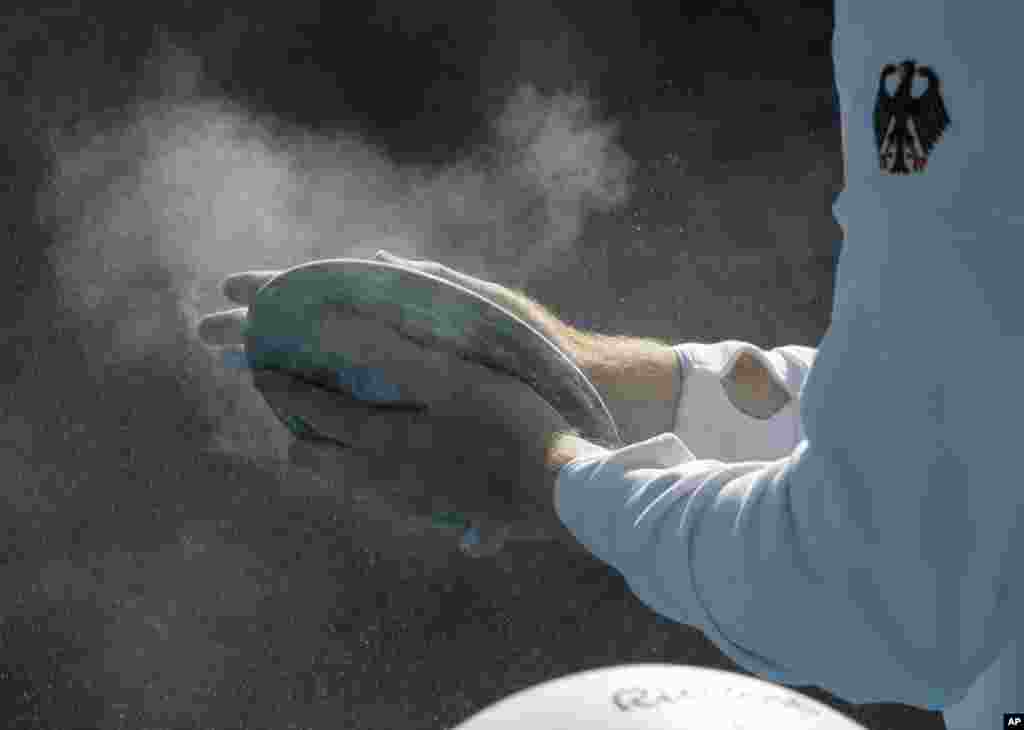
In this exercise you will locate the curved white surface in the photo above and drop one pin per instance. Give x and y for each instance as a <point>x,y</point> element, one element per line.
<point>658,697</point>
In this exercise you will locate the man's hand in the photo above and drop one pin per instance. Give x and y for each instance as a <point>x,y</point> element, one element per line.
<point>485,440</point>
<point>639,378</point>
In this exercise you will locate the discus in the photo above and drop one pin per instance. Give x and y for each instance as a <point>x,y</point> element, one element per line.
<point>658,697</point>
<point>282,332</point>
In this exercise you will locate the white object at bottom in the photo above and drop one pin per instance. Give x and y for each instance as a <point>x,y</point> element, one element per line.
<point>658,697</point>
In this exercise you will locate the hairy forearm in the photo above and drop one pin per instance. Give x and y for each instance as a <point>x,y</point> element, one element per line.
<point>638,378</point>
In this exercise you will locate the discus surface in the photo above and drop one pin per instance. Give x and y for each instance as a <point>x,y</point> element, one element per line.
<point>658,697</point>
<point>283,332</point>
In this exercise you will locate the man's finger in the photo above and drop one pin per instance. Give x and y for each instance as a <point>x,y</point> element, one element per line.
<point>241,288</point>
<point>390,258</point>
<point>222,329</point>
<point>429,267</point>
<point>485,288</point>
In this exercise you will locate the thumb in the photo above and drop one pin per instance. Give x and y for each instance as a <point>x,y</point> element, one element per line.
<point>429,267</point>
<point>390,258</point>
<point>434,268</point>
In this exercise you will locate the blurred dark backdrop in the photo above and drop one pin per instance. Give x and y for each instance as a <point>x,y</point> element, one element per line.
<point>151,582</point>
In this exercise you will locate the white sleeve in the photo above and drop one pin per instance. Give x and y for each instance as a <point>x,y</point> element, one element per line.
<point>713,427</point>
<point>880,559</point>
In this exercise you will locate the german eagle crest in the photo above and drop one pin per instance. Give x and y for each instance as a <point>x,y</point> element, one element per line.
<point>907,126</point>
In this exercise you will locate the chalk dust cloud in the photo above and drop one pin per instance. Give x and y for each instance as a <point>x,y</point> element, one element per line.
<point>153,209</point>
<point>149,206</point>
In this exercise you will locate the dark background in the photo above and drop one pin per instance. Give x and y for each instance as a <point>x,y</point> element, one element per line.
<point>151,581</point>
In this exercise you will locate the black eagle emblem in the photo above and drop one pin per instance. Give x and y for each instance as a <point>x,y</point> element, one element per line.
<point>907,126</point>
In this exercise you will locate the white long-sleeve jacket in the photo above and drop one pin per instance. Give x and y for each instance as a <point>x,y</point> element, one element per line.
<point>870,540</point>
